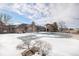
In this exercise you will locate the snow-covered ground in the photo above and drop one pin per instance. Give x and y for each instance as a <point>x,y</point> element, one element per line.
<point>61,44</point>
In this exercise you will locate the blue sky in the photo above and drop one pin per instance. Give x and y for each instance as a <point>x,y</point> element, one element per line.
<point>15,17</point>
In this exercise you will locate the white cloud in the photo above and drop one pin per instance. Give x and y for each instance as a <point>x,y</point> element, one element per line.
<point>44,13</point>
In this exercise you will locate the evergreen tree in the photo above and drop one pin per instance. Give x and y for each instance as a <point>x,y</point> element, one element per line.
<point>55,27</point>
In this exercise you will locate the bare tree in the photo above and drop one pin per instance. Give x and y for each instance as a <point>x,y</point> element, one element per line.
<point>5,17</point>
<point>62,25</point>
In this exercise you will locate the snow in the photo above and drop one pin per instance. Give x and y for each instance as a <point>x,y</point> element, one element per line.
<point>60,46</point>
<point>64,46</point>
<point>8,43</point>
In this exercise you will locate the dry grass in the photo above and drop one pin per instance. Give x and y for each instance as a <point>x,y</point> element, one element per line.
<point>75,36</point>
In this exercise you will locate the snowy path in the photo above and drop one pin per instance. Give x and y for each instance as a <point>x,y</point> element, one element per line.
<point>60,46</point>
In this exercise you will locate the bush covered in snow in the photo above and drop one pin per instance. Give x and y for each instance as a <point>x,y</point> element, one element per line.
<point>30,52</point>
<point>44,47</point>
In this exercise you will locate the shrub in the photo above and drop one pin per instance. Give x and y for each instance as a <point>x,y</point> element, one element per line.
<point>44,47</point>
